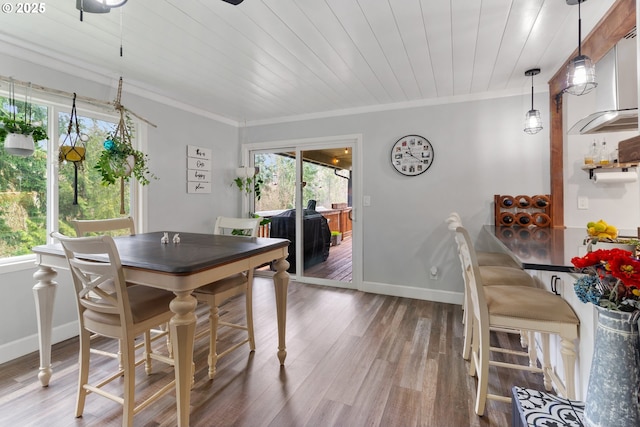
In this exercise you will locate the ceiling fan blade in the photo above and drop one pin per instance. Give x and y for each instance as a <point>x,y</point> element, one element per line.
<point>233,2</point>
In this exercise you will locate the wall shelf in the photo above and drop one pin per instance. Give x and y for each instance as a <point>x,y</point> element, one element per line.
<point>624,167</point>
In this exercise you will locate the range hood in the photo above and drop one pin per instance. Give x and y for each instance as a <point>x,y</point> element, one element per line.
<point>616,93</point>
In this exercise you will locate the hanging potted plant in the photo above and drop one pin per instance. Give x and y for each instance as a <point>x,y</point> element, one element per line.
<point>20,135</point>
<point>119,159</point>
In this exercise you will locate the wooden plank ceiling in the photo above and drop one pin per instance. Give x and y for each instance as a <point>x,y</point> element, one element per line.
<point>266,60</point>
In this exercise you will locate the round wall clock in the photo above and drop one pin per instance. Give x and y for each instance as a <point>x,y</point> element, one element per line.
<point>412,155</point>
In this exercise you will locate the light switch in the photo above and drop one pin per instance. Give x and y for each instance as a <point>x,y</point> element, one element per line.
<point>366,201</point>
<point>583,203</point>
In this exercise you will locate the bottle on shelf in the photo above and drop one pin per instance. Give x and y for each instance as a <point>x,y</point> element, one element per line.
<point>589,158</point>
<point>604,158</point>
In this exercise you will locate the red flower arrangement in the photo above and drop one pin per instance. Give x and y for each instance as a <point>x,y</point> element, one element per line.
<point>612,281</point>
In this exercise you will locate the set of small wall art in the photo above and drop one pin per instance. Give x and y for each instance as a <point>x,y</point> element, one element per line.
<point>198,170</point>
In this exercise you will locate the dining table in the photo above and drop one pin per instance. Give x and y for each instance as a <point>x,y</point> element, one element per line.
<point>194,260</point>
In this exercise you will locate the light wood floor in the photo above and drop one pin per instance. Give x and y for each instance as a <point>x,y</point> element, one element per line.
<point>354,359</point>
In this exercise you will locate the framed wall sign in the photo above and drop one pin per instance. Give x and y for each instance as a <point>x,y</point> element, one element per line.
<point>412,155</point>
<point>198,169</point>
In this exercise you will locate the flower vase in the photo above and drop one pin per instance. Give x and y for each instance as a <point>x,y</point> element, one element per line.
<point>613,391</point>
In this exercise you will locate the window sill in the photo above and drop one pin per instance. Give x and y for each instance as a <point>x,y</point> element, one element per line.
<point>17,263</point>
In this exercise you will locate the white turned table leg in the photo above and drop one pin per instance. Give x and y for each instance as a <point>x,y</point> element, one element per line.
<point>281,284</point>
<point>44,293</point>
<point>182,327</point>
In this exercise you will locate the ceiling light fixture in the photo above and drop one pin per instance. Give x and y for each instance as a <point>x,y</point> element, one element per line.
<point>581,72</point>
<point>97,6</point>
<point>532,121</point>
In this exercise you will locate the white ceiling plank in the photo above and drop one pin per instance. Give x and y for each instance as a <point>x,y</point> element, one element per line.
<point>272,59</point>
<point>359,29</point>
<point>408,14</point>
<point>436,16</point>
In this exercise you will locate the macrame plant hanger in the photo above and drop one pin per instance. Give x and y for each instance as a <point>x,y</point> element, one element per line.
<point>121,132</point>
<point>73,148</point>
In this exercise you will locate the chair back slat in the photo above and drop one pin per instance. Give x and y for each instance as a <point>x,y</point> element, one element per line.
<point>104,226</point>
<point>473,280</point>
<point>246,226</point>
<point>97,275</point>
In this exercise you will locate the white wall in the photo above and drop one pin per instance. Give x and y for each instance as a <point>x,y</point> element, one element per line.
<point>480,150</point>
<point>617,204</point>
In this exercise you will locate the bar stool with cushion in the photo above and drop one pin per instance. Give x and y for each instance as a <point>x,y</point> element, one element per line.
<point>124,313</point>
<point>492,275</point>
<point>214,294</point>
<point>515,308</point>
<point>496,259</point>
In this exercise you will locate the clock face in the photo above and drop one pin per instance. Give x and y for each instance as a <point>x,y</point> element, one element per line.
<point>412,155</point>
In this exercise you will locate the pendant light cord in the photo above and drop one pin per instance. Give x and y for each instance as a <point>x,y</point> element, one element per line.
<point>532,91</point>
<point>579,29</point>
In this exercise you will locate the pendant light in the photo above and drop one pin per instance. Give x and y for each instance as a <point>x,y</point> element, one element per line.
<point>581,73</point>
<point>532,121</point>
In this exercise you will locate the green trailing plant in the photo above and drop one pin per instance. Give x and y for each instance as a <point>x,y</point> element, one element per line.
<point>246,185</point>
<point>14,125</point>
<point>113,162</point>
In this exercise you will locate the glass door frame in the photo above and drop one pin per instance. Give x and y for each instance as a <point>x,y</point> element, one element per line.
<point>353,142</point>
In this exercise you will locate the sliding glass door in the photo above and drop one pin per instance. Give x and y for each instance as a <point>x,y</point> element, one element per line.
<point>304,192</point>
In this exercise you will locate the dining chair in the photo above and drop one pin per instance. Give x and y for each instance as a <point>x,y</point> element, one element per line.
<point>214,294</point>
<point>125,313</point>
<point>499,274</point>
<point>103,226</point>
<point>114,226</point>
<point>515,308</point>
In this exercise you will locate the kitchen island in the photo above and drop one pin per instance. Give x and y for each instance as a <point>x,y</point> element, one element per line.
<point>546,254</point>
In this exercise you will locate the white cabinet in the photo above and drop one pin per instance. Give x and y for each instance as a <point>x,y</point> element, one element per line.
<point>588,317</point>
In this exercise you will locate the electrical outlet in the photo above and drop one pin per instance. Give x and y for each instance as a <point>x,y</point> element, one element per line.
<point>583,203</point>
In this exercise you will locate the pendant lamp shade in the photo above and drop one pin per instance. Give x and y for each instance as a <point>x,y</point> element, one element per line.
<point>581,75</point>
<point>19,144</point>
<point>532,121</point>
<point>581,72</point>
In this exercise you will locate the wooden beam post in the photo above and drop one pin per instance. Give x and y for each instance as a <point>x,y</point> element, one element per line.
<point>619,20</point>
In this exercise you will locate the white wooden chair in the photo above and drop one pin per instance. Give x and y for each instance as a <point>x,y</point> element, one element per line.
<point>499,269</point>
<point>214,294</point>
<point>119,226</point>
<point>515,308</point>
<point>124,314</point>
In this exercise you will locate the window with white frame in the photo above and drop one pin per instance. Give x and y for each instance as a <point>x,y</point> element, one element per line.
<point>28,183</point>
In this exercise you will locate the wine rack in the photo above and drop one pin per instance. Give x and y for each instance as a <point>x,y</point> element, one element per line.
<point>523,211</point>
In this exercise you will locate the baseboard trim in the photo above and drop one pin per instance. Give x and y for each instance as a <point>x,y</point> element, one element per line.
<point>26,345</point>
<point>447,297</point>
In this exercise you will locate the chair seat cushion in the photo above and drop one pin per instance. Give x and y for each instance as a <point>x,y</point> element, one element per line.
<point>222,285</point>
<point>146,302</point>
<point>496,259</point>
<point>528,303</point>
<point>498,276</point>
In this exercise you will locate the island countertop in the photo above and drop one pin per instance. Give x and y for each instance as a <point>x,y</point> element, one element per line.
<point>537,248</point>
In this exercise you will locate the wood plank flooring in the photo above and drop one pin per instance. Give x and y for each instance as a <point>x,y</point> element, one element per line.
<point>354,359</point>
<point>338,265</point>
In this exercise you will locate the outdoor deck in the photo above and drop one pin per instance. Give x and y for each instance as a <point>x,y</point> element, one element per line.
<point>338,266</point>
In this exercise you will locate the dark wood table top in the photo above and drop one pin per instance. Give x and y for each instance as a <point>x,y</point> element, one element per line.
<point>195,252</point>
